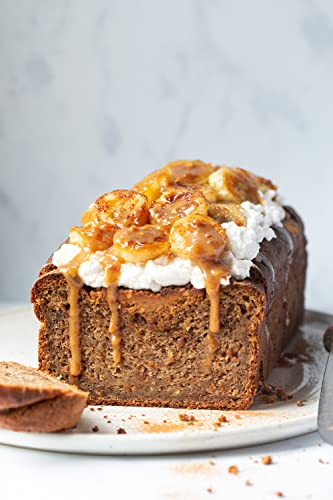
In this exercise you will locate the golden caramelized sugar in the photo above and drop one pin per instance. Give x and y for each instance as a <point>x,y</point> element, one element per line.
<point>177,210</point>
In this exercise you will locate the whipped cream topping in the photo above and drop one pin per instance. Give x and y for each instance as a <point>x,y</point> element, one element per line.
<point>243,247</point>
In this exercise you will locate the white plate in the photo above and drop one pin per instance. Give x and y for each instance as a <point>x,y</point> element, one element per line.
<point>159,430</point>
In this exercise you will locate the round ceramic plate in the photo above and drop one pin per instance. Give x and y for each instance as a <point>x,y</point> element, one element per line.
<point>125,430</point>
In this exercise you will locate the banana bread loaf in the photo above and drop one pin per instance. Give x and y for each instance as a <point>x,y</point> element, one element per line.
<point>182,292</point>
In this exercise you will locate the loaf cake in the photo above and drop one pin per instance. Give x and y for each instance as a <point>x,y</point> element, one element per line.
<point>181,292</point>
<point>33,401</point>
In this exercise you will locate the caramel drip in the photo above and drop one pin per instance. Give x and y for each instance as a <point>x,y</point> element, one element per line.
<point>213,273</point>
<point>75,285</point>
<point>111,277</point>
<point>203,240</point>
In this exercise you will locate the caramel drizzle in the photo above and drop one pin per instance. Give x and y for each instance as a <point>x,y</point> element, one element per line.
<point>213,272</point>
<point>75,285</point>
<point>111,278</point>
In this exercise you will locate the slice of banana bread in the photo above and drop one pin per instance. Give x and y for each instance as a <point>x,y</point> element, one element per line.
<point>21,386</point>
<point>204,338</point>
<point>33,401</point>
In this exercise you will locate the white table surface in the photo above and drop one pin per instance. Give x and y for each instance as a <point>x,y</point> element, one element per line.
<point>297,471</point>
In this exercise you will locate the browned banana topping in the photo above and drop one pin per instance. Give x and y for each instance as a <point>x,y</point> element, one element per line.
<point>187,173</point>
<point>153,185</point>
<point>139,244</point>
<point>227,212</point>
<point>235,185</point>
<point>121,208</point>
<point>198,237</point>
<point>92,237</point>
<point>175,203</point>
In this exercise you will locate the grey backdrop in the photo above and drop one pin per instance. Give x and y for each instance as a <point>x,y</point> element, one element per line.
<point>93,95</point>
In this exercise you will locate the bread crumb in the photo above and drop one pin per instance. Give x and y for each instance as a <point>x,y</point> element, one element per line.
<point>211,462</point>
<point>300,403</point>
<point>233,469</point>
<point>279,494</point>
<point>92,409</point>
<point>121,431</point>
<point>221,420</point>
<point>266,460</point>
<point>108,421</point>
<point>248,483</point>
<point>209,490</point>
<point>187,418</point>
<point>95,429</point>
<point>145,422</point>
<point>99,408</point>
<point>271,394</point>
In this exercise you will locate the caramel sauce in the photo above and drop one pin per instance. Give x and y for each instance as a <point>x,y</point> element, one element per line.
<point>111,279</point>
<point>203,241</point>
<point>213,273</point>
<point>75,285</point>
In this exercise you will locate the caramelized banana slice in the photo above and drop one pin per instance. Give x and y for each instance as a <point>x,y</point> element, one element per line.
<point>90,215</point>
<point>153,185</point>
<point>198,238</point>
<point>209,193</point>
<point>235,185</point>
<point>139,244</point>
<point>92,237</point>
<point>176,203</point>
<point>227,212</point>
<point>186,173</point>
<point>122,208</point>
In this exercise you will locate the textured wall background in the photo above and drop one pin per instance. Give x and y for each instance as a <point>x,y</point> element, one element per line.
<point>95,94</point>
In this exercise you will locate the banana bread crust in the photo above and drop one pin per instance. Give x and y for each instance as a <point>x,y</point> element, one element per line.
<point>165,358</point>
